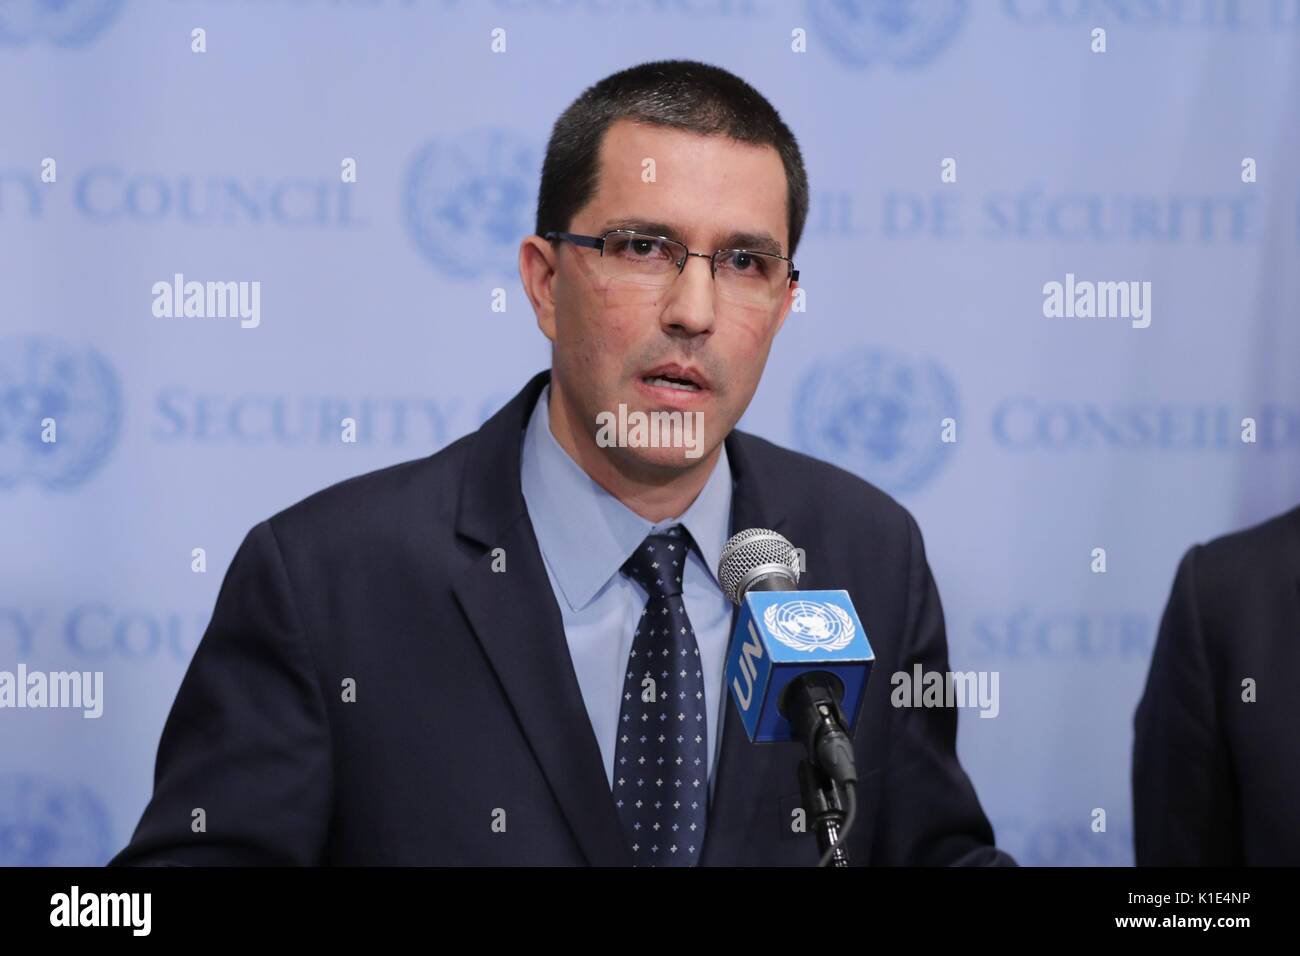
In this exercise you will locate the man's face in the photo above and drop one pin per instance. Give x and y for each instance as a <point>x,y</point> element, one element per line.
<point>610,337</point>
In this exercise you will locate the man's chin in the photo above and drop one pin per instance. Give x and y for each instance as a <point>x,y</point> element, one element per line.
<point>663,460</point>
<point>655,435</point>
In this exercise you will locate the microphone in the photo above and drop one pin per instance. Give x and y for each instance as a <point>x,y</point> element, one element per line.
<point>798,661</point>
<point>797,666</point>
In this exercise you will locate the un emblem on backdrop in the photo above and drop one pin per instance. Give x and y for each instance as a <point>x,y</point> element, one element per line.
<point>877,415</point>
<point>64,23</point>
<point>468,200</point>
<point>42,377</point>
<point>44,823</point>
<point>900,33</point>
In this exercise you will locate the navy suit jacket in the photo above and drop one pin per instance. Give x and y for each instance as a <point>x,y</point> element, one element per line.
<point>467,711</point>
<point>1216,779</point>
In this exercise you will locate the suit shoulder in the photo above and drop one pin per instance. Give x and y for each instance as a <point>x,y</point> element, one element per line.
<point>396,491</point>
<point>807,485</point>
<point>1257,553</point>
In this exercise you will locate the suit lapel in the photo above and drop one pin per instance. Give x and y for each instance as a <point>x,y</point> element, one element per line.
<point>515,617</point>
<point>745,770</point>
<point>517,622</point>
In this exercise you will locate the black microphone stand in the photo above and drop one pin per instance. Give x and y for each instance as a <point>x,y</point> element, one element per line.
<point>811,702</point>
<point>823,801</point>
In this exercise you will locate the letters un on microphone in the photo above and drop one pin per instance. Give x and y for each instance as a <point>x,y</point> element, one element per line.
<point>782,634</point>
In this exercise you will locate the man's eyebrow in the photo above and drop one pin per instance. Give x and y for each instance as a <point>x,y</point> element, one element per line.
<point>756,241</point>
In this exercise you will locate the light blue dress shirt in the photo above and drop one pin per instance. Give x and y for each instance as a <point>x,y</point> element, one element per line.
<point>586,534</point>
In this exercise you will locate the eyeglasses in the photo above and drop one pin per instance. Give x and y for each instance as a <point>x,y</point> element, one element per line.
<point>653,262</point>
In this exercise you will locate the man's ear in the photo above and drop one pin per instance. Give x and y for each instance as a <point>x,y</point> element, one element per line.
<point>537,262</point>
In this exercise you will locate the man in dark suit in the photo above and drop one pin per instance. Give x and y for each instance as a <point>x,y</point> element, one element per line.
<point>445,662</point>
<point>1216,763</point>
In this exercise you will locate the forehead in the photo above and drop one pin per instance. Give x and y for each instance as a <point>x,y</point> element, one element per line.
<point>707,191</point>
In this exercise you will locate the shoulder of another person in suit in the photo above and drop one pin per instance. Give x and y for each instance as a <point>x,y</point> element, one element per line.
<point>1262,550</point>
<point>1234,577</point>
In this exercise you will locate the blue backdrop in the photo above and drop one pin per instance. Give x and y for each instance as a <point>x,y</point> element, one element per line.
<point>924,301</point>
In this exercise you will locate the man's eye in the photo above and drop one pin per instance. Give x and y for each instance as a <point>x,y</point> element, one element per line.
<point>639,249</point>
<point>744,262</point>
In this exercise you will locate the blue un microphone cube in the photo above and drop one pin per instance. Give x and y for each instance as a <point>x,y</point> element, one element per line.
<point>782,634</point>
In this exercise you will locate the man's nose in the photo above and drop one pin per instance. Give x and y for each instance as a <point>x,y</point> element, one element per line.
<point>690,307</point>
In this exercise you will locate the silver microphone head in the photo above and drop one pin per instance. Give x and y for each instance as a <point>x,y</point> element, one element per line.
<point>752,555</point>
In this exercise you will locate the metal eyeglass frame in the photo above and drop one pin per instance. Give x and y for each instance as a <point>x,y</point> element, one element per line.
<point>598,242</point>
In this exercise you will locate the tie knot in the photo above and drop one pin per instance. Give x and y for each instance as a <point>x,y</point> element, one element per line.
<point>659,562</point>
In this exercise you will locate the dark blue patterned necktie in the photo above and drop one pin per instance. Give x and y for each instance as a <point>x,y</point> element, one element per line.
<point>661,783</point>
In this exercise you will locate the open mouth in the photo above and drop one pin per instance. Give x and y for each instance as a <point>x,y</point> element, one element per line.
<point>678,378</point>
<point>667,381</point>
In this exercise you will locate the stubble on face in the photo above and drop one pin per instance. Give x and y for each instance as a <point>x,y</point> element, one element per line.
<point>606,335</point>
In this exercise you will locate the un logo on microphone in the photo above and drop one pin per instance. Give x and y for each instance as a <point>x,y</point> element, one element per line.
<point>900,33</point>
<point>810,625</point>
<point>65,23</point>
<point>878,415</point>
<point>468,199</point>
<point>44,379</point>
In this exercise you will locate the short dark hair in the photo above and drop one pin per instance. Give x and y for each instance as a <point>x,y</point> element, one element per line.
<point>682,94</point>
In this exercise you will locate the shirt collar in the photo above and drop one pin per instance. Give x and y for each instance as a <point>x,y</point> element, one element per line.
<point>585,533</point>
